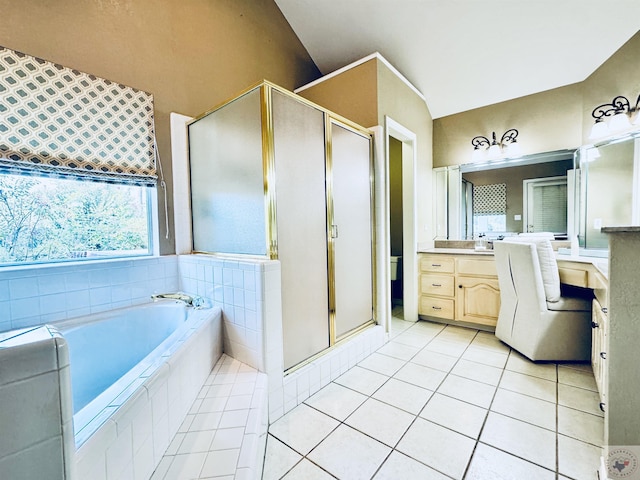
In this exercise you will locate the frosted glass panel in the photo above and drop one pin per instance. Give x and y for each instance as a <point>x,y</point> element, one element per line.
<point>302,227</point>
<point>227,186</point>
<point>352,220</point>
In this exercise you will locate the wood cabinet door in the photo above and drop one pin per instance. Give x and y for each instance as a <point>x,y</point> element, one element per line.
<point>478,300</point>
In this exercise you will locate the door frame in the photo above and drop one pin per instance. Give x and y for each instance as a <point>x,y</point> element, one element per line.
<point>409,219</point>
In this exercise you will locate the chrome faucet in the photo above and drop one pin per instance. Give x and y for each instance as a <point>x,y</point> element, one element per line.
<point>194,301</point>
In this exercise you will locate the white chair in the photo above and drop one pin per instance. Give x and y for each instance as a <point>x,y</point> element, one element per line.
<point>535,318</point>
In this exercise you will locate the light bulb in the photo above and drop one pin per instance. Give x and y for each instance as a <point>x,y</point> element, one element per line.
<point>599,130</point>
<point>494,151</point>
<point>620,121</point>
<point>513,150</point>
<point>477,155</point>
<point>636,121</point>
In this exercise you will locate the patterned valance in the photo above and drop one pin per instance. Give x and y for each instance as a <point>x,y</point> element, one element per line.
<point>58,121</point>
<point>490,199</point>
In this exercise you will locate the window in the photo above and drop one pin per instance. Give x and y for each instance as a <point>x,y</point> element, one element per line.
<point>77,164</point>
<point>54,219</point>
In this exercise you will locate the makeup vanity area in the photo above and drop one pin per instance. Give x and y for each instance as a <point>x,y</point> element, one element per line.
<point>460,285</point>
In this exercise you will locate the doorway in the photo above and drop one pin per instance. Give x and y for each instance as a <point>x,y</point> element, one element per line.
<point>400,220</point>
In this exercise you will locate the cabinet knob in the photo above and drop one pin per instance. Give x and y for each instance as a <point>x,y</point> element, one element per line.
<point>436,284</point>
<point>604,310</point>
<point>436,265</point>
<point>459,286</point>
<point>437,308</point>
<point>594,325</point>
<point>603,355</point>
<point>602,406</point>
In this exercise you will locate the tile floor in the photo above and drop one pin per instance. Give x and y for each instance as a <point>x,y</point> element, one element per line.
<point>442,402</point>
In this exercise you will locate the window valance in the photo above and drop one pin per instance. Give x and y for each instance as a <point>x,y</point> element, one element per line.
<point>490,199</point>
<point>58,121</point>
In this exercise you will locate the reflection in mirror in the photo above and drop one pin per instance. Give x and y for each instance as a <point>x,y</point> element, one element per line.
<point>528,194</point>
<point>609,189</point>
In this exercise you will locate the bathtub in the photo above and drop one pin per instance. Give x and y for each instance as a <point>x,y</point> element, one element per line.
<point>134,374</point>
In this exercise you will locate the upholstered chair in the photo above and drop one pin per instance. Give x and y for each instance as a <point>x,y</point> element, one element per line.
<point>535,317</point>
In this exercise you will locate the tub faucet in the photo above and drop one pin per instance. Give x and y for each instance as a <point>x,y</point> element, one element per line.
<point>189,300</point>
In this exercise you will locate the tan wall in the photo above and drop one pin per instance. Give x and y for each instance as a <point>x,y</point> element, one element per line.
<point>619,75</point>
<point>547,121</point>
<point>352,94</point>
<point>399,102</point>
<point>190,55</point>
<point>513,177</point>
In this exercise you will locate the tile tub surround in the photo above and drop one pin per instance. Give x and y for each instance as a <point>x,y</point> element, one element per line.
<point>135,430</point>
<point>36,438</point>
<point>443,402</point>
<point>38,294</point>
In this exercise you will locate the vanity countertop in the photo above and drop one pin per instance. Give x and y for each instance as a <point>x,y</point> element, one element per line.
<point>457,251</point>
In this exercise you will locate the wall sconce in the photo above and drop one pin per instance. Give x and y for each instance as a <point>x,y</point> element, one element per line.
<point>507,147</point>
<point>614,117</point>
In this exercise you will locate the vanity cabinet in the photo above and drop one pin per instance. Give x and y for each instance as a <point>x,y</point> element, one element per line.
<point>459,288</point>
<point>599,335</point>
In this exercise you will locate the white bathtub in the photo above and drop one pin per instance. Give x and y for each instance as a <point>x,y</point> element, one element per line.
<point>134,374</point>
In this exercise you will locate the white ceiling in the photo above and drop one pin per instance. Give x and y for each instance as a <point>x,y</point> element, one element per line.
<point>464,54</point>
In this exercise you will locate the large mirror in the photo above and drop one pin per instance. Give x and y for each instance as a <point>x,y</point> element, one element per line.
<point>608,193</point>
<point>505,197</point>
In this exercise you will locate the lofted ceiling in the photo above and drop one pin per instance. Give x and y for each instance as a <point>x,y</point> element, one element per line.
<point>465,54</point>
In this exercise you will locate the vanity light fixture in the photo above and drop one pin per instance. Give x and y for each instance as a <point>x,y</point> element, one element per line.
<point>507,147</point>
<point>614,117</point>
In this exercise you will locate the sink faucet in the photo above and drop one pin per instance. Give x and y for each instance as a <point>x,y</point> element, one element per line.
<point>189,300</point>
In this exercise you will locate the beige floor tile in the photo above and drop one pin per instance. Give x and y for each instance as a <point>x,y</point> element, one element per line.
<point>278,460</point>
<point>424,377</point>
<point>431,328</point>
<point>521,364</point>
<point>435,360</point>
<point>469,391</point>
<point>383,364</point>
<point>303,428</point>
<point>489,341</point>
<point>452,347</point>
<point>403,395</point>
<point>437,447</point>
<point>577,459</point>
<point>349,454</point>
<point>455,414</point>
<point>579,398</point>
<point>528,385</point>
<point>220,462</point>
<point>398,350</point>
<point>336,401</point>
<point>580,425</point>
<point>380,421</point>
<point>413,339</point>
<point>521,439</point>
<point>477,371</point>
<point>486,357</point>
<point>401,467</point>
<point>362,380</point>
<point>306,470</point>
<point>463,333</point>
<point>194,442</point>
<point>577,378</point>
<point>523,407</point>
<point>489,463</point>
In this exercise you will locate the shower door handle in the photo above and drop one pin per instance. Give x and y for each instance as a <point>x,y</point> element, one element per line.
<point>334,231</point>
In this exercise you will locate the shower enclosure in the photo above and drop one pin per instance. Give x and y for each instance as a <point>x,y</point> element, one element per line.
<point>276,176</point>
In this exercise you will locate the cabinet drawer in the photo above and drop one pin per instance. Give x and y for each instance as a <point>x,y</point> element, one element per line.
<point>485,267</point>
<point>437,263</point>
<point>579,278</point>
<point>436,307</point>
<point>433,284</point>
